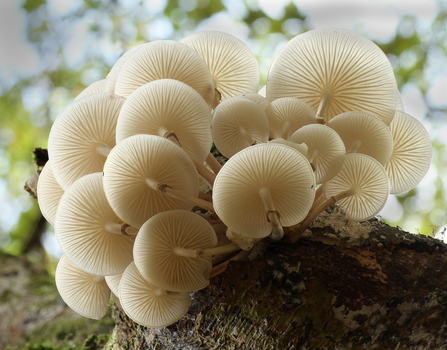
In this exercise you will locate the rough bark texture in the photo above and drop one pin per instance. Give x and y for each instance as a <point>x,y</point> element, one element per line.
<point>343,286</point>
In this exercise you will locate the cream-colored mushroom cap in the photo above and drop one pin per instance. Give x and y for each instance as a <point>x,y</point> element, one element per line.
<point>98,86</point>
<point>326,150</point>
<point>114,72</point>
<point>300,147</point>
<point>263,91</point>
<point>168,105</point>
<point>399,103</point>
<point>338,65</point>
<point>82,136</point>
<point>83,292</point>
<point>89,231</point>
<point>365,133</point>
<point>276,168</point>
<point>140,158</point>
<point>149,305</point>
<point>165,60</point>
<point>411,155</point>
<point>231,63</point>
<point>365,175</point>
<point>238,123</point>
<point>113,281</point>
<point>286,115</point>
<point>155,247</point>
<point>49,193</point>
<point>261,101</point>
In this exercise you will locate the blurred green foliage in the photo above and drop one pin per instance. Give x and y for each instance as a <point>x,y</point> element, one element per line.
<point>118,27</point>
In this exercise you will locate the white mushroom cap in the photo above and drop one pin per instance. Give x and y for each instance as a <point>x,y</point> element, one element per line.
<point>167,105</point>
<point>365,175</point>
<point>137,159</point>
<point>165,60</point>
<point>149,305</point>
<point>155,246</point>
<point>82,229</point>
<point>261,101</point>
<point>49,193</point>
<point>83,292</point>
<point>411,155</point>
<point>399,104</point>
<point>286,115</point>
<point>282,170</point>
<point>78,135</point>
<point>263,91</point>
<point>238,123</point>
<point>300,147</point>
<point>231,63</point>
<point>98,86</point>
<point>354,70</point>
<point>113,281</point>
<point>326,150</point>
<point>363,132</point>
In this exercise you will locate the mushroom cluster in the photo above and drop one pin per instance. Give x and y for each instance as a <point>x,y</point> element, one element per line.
<point>144,211</point>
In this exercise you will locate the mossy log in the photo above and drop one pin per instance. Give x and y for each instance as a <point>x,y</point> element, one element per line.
<point>345,285</point>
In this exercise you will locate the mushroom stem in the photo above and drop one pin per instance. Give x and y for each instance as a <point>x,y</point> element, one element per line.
<point>318,198</point>
<point>170,135</point>
<point>354,146</point>
<point>205,196</point>
<point>198,253</point>
<point>119,229</point>
<point>217,97</point>
<point>217,270</point>
<point>285,131</point>
<point>272,215</point>
<point>207,175</point>
<point>313,156</point>
<point>323,108</point>
<point>165,189</point>
<point>98,278</point>
<point>247,136</point>
<point>103,149</point>
<point>296,235</point>
<point>160,292</point>
<point>244,243</point>
<point>213,163</point>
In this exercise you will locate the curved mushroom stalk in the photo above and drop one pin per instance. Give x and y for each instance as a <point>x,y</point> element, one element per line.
<point>217,97</point>
<point>272,214</point>
<point>324,105</point>
<point>121,229</point>
<point>165,189</point>
<point>245,243</point>
<point>213,163</point>
<point>199,253</point>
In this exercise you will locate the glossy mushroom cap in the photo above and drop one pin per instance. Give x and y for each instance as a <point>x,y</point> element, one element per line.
<point>98,86</point>
<point>232,64</point>
<point>282,170</point>
<point>155,247</point>
<point>368,177</point>
<point>49,193</point>
<point>164,106</point>
<point>326,150</point>
<point>238,123</point>
<point>137,159</point>
<point>165,60</point>
<point>149,305</point>
<point>80,134</point>
<point>83,230</point>
<point>83,292</point>
<point>411,155</point>
<point>365,133</point>
<point>352,69</point>
<point>286,115</point>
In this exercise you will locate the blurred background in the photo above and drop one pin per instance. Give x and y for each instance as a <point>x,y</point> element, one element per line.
<point>50,50</point>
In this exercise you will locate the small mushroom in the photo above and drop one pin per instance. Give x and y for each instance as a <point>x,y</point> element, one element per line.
<point>261,101</point>
<point>98,86</point>
<point>113,281</point>
<point>149,305</point>
<point>83,292</point>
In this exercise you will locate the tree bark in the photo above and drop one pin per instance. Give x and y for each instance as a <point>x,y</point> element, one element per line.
<point>345,285</point>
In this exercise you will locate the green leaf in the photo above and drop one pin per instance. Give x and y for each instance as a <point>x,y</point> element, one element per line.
<point>31,5</point>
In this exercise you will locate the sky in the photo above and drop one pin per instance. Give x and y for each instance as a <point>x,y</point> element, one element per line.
<point>376,19</point>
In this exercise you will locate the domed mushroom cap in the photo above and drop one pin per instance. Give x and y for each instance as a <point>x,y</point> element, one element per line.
<point>286,115</point>
<point>113,281</point>
<point>83,292</point>
<point>49,193</point>
<point>263,91</point>
<point>326,150</point>
<point>79,134</point>
<point>231,63</point>
<point>368,177</point>
<point>114,72</point>
<point>82,229</point>
<point>156,259</point>
<point>352,68</point>
<point>300,147</point>
<point>168,105</point>
<point>98,86</point>
<point>365,133</point>
<point>141,157</point>
<point>238,123</point>
<point>411,155</point>
<point>147,304</point>
<point>165,60</point>
<point>261,101</point>
<point>278,168</point>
